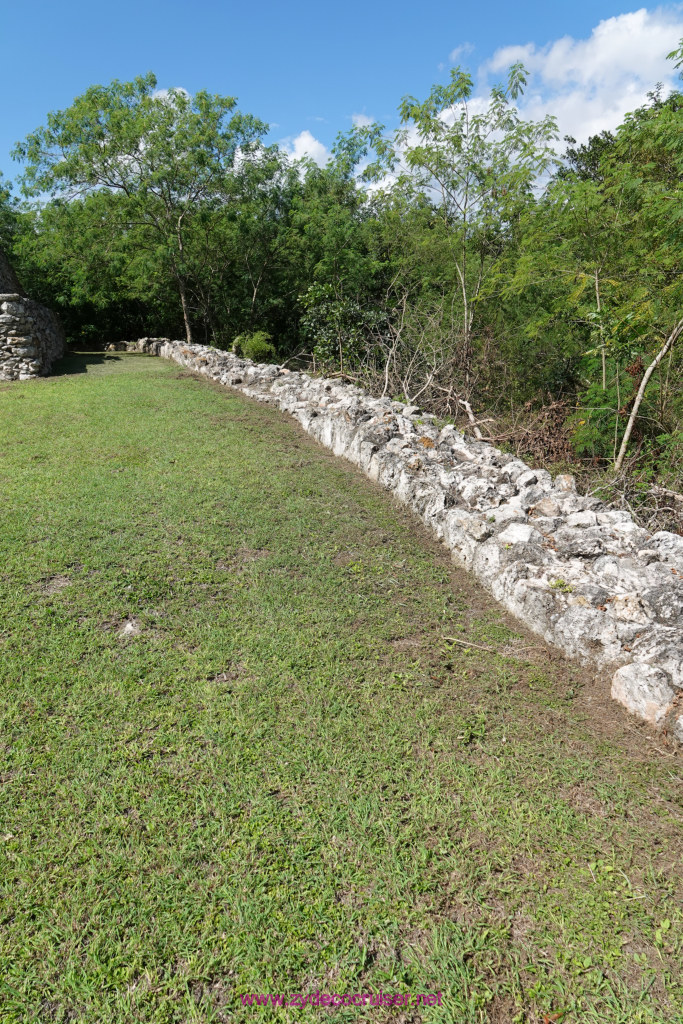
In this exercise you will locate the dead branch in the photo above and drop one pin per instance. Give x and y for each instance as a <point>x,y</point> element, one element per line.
<point>668,345</point>
<point>666,493</point>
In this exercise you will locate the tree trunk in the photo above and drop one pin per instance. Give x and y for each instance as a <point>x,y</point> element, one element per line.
<point>186,312</point>
<point>602,335</point>
<point>181,281</point>
<point>669,344</point>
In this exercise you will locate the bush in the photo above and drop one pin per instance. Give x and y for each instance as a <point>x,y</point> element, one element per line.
<point>257,346</point>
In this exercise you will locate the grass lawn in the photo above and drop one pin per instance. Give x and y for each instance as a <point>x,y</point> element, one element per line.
<point>238,756</point>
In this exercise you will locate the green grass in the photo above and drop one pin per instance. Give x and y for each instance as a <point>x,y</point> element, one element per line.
<point>286,779</point>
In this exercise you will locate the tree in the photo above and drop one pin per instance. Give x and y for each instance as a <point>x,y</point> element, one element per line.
<point>245,265</point>
<point>331,223</point>
<point>573,237</point>
<point>81,258</point>
<point>479,168</point>
<point>8,215</point>
<point>166,154</point>
<point>647,170</point>
<point>584,161</point>
<point>607,235</point>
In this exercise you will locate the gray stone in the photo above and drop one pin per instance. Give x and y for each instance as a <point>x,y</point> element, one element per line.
<point>592,594</point>
<point>581,520</point>
<point>527,478</point>
<point>546,507</point>
<point>565,482</point>
<point>579,542</point>
<point>607,566</point>
<point>629,607</point>
<point>664,603</point>
<point>31,338</point>
<point>669,548</point>
<point>644,690</point>
<point>518,533</point>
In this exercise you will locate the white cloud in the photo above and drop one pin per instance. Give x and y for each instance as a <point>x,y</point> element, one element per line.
<point>460,51</point>
<point>589,84</point>
<point>305,144</point>
<point>163,94</point>
<point>361,120</point>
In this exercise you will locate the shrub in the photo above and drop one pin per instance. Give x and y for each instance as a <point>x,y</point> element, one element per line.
<point>257,346</point>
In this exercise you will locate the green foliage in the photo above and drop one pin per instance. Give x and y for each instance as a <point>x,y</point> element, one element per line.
<point>476,267</point>
<point>562,586</point>
<point>585,162</point>
<point>666,460</point>
<point>156,161</point>
<point>596,422</point>
<point>256,346</point>
<point>338,328</point>
<point>602,252</point>
<point>8,214</point>
<point>478,167</point>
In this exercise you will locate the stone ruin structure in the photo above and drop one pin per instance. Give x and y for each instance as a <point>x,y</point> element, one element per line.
<point>31,339</point>
<point>580,574</point>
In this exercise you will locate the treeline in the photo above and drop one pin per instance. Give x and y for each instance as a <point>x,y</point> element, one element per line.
<point>455,262</point>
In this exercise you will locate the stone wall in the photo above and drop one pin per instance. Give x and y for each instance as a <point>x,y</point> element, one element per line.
<point>580,574</point>
<point>31,339</point>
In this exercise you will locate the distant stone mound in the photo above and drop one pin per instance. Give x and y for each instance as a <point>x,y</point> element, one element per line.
<point>31,338</point>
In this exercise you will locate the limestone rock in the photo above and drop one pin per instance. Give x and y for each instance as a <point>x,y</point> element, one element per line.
<point>644,690</point>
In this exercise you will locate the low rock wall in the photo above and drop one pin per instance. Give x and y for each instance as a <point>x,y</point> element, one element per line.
<point>31,339</point>
<point>580,574</point>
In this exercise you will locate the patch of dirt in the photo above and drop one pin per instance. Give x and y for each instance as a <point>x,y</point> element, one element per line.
<point>129,627</point>
<point>252,554</point>
<point>216,994</point>
<point>408,643</point>
<point>524,866</point>
<point>241,556</point>
<point>346,558</point>
<point>522,926</point>
<point>54,584</point>
<point>501,1010</point>
<point>580,798</point>
<point>124,628</point>
<point>229,675</point>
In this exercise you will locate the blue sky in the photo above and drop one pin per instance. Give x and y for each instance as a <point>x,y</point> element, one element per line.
<point>309,67</point>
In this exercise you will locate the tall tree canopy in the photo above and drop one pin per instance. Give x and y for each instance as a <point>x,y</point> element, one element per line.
<point>160,156</point>
<point>478,167</point>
